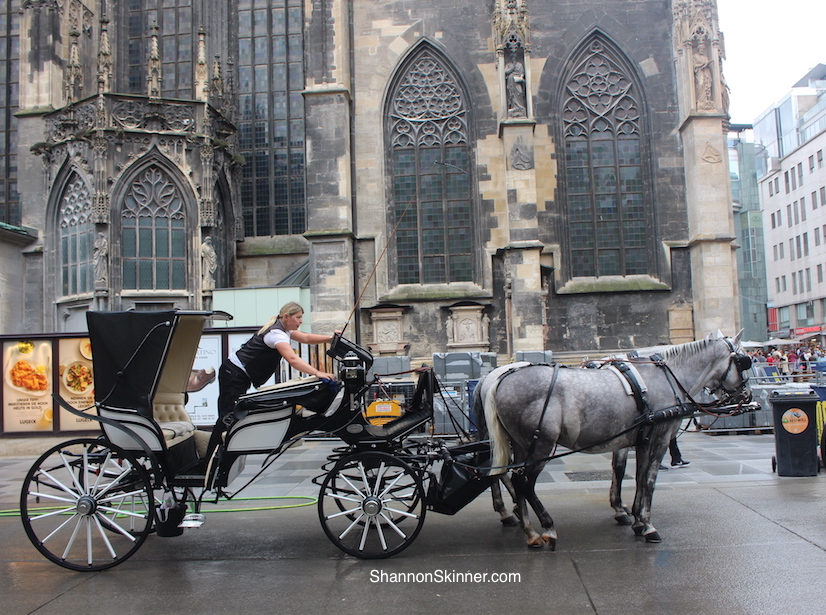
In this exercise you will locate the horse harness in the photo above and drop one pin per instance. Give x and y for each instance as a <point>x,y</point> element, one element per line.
<point>647,419</point>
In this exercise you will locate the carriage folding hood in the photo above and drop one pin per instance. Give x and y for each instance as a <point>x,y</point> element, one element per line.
<point>146,356</point>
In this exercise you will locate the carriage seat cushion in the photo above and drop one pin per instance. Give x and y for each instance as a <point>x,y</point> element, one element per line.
<point>172,418</point>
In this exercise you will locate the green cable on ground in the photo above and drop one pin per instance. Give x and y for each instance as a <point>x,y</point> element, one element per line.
<point>311,500</point>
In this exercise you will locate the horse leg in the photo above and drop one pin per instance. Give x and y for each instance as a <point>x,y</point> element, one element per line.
<point>506,518</point>
<point>525,486</point>
<point>649,458</point>
<point>622,514</point>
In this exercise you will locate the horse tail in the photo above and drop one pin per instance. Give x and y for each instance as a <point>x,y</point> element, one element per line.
<point>488,424</point>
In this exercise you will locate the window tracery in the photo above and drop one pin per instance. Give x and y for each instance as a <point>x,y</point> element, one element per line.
<point>430,168</point>
<point>604,141</point>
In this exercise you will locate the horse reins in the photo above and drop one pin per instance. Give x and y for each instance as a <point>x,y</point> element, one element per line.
<point>649,418</point>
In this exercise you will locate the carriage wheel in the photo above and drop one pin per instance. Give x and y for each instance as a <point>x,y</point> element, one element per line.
<point>87,504</point>
<point>371,505</point>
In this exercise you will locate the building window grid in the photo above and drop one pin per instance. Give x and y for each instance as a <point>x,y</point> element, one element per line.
<point>174,21</point>
<point>9,82</point>
<point>271,117</point>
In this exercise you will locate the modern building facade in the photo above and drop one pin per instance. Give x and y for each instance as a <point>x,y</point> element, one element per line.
<point>748,223</point>
<point>792,140</point>
<point>475,176</point>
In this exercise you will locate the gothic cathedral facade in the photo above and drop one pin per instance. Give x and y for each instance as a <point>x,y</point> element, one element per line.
<point>494,176</point>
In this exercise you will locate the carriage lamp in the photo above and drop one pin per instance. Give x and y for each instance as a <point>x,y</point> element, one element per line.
<point>352,370</point>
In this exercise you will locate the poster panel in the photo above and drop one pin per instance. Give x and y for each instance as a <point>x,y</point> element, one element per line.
<point>76,383</point>
<point>202,386</point>
<point>27,386</point>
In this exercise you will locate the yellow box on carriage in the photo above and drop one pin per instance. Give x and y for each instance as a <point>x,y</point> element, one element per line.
<point>383,411</point>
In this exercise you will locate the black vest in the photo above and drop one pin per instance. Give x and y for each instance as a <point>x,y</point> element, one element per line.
<point>259,360</point>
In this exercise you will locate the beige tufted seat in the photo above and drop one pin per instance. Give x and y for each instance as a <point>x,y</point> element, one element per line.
<point>172,418</point>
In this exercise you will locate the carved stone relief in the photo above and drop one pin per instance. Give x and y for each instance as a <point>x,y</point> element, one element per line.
<point>388,338</point>
<point>468,328</point>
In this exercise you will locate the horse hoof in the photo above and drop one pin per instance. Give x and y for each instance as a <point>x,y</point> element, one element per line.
<point>653,537</point>
<point>624,519</point>
<point>510,521</point>
<point>550,541</point>
<point>638,531</point>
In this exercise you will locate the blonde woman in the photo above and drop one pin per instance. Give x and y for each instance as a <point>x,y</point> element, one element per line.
<point>259,357</point>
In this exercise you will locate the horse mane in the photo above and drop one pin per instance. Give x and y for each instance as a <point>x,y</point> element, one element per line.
<point>679,351</point>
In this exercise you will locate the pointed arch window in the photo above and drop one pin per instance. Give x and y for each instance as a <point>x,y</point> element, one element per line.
<point>430,162</point>
<point>604,142</point>
<point>153,233</point>
<point>76,238</point>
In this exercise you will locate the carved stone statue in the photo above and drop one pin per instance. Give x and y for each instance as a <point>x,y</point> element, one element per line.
<point>515,88</point>
<point>209,264</point>
<point>100,260</point>
<point>703,77</point>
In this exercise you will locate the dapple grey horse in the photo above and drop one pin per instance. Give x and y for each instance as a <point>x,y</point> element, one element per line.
<point>528,410</point>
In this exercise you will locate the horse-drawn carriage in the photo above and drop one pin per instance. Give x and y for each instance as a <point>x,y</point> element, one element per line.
<point>90,503</point>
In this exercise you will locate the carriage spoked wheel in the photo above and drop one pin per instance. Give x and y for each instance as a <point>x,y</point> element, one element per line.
<point>371,505</point>
<point>87,504</point>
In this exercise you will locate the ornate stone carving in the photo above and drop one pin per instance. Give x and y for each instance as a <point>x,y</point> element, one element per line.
<point>135,114</point>
<point>511,32</point>
<point>201,69</point>
<point>468,328</point>
<point>521,156</point>
<point>153,67</point>
<point>72,120</point>
<point>699,54</point>
<point>387,331</point>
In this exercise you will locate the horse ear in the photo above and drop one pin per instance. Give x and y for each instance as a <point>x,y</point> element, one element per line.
<point>710,336</point>
<point>737,337</point>
<point>720,335</point>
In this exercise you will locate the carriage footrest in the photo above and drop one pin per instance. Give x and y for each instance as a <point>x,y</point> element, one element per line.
<point>192,520</point>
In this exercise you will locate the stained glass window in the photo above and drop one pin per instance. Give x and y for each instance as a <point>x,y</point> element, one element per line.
<point>154,239</point>
<point>604,173</point>
<point>76,238</point>
<point>431,170</point>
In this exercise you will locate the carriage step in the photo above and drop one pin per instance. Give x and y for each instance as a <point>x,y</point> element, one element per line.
<point>192,520</point>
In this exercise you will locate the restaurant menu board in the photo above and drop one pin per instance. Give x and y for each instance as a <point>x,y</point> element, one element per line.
<point>202,386</point>
<point>77,385</point>
<point>27,386</point>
